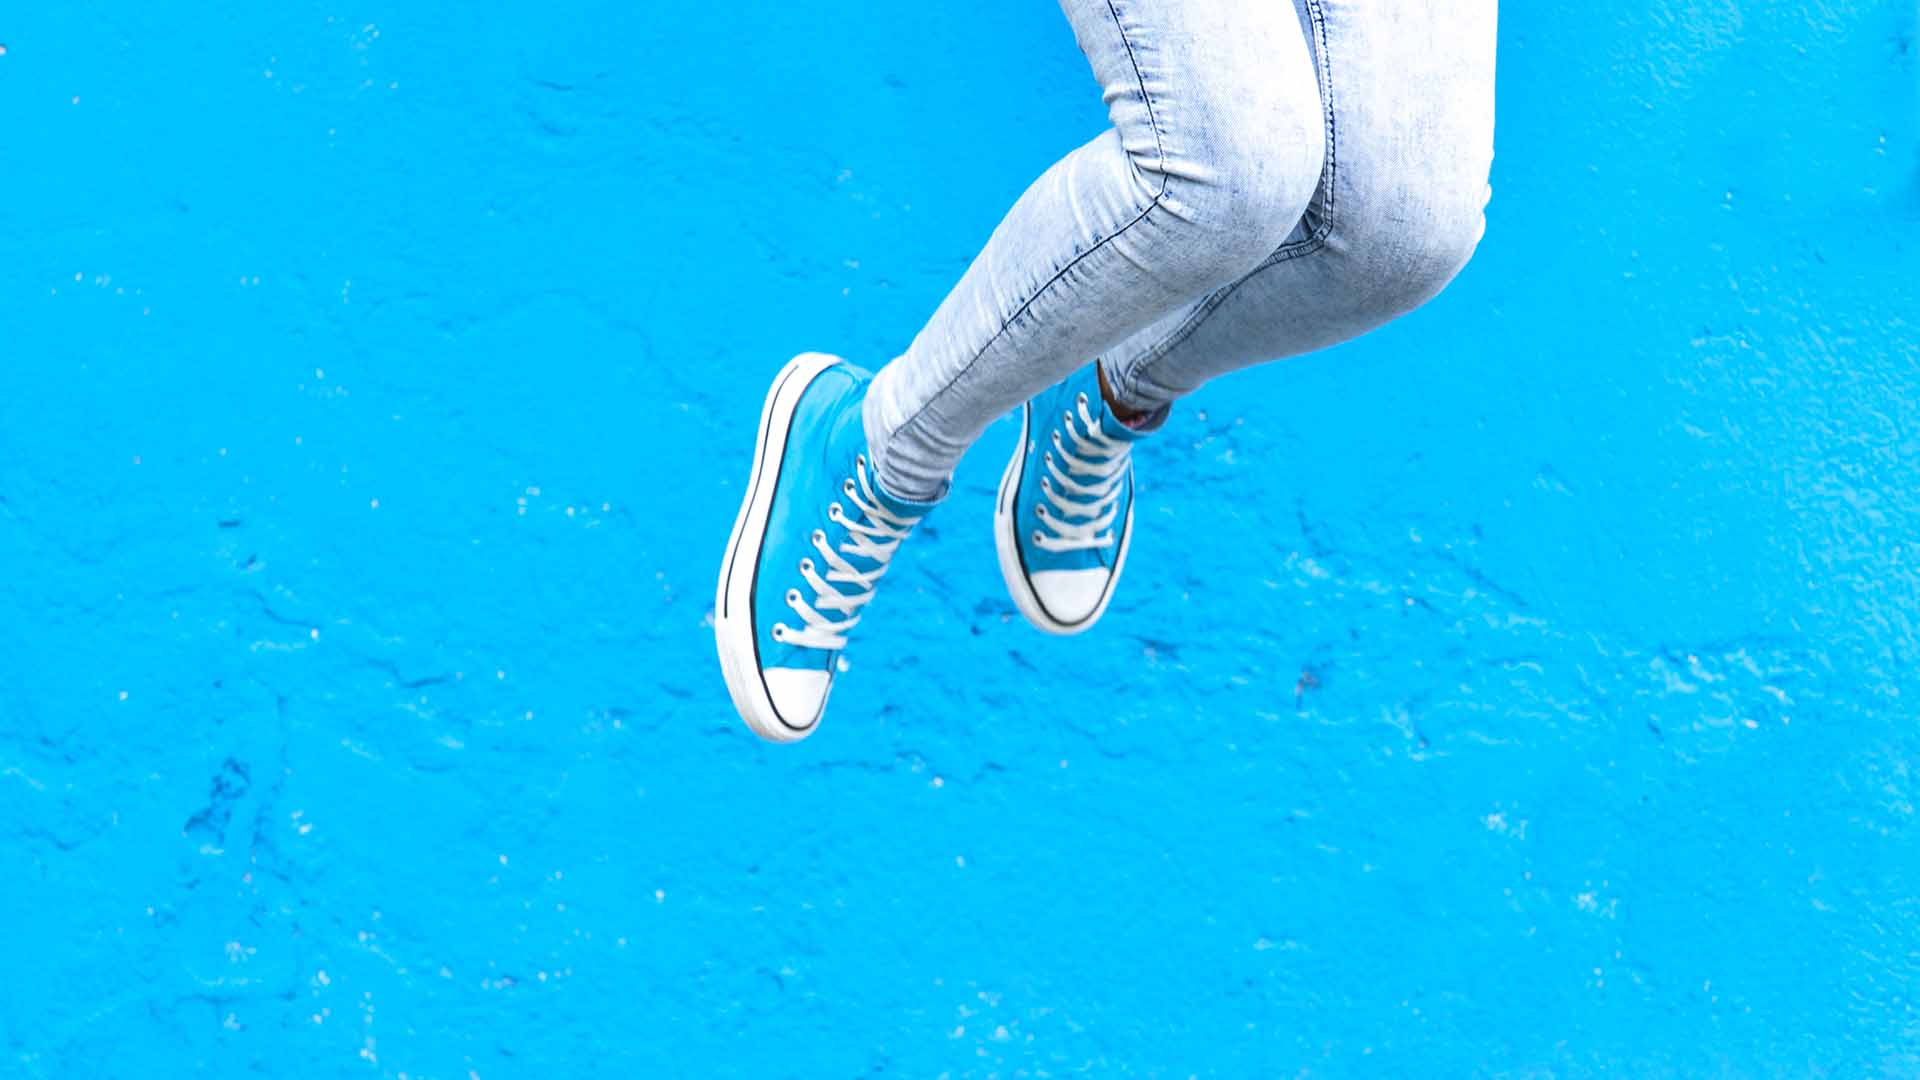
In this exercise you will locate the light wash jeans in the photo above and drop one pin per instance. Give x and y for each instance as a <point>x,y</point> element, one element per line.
<point>1279,177</point>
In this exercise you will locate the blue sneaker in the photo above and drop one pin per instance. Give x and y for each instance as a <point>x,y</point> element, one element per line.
<point>1065,512</point>
<point>813,539</point>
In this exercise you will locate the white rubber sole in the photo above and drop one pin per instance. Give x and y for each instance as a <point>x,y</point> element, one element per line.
<point>1006,541</point>
<point>733,601</point>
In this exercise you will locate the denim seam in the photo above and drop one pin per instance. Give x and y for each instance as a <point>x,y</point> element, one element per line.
<point>1126,384</point>
<point>1314,242</point>
<point>1158,200</point>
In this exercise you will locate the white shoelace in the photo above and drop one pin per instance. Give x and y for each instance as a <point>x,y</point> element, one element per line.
<point>873,539</point>
<point>1101,460</point>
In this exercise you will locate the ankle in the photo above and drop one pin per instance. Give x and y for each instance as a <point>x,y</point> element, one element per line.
<point>1123,412</point>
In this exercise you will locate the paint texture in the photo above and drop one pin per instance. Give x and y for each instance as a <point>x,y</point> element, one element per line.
<point>1525,690</point>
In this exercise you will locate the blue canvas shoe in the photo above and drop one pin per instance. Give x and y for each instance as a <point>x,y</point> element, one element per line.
<point>1065,512</point>
<point>812,540</point>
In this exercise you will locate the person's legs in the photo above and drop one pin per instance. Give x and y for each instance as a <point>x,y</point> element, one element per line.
<point>1407,90</point>
<point>1217,146</point>
<point>1400,208</point>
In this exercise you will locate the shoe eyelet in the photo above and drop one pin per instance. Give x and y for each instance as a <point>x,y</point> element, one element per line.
<point>1067,415</point>
<point>779,631</point>
<point>1036,536</point>
<point>835,514</point>
<point>819,536</point>
<point>793,597</point>
<point>1040,509</point>
<point>806,566</point>
<point>860,460</point>
<point>1083,399</point>
<point>847,488</point>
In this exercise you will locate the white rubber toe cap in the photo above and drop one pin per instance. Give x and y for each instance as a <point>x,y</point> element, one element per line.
<point>1070,596</point>
<point>799,695</point>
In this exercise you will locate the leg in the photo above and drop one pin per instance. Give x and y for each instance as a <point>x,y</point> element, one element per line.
<point>1409,92</point>
<point>1217,144</point>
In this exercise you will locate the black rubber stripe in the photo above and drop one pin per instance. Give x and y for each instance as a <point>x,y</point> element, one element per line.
<point>761,456</point>
<point>759,669</point>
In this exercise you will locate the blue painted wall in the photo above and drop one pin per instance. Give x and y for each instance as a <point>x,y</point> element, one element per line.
<point>1528,689</point>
